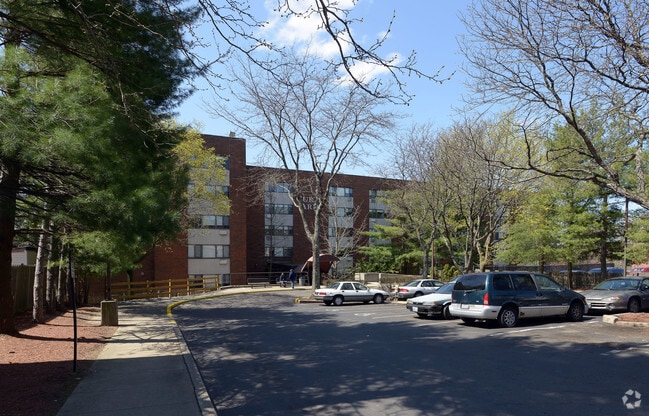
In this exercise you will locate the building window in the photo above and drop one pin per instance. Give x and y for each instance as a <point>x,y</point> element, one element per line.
<point>226,163</point>
<point>278,230</point>
<point>345,192</point>
<point>214,189</point>
<point>194,251</point>
<point>283,209</point>
<point>208,251</point>
<point>377,213</point>
<point>279,251</point>
<point>376,194</point>
<point>219,189</point>
<point>340,232</point>
<point>279,187</point>
<point>344,212</point>
<point>213,221</point>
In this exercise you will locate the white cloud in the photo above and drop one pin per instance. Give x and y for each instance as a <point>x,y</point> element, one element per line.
<point>306,32</point>
<point>366,72</point>
<point>297,29</point>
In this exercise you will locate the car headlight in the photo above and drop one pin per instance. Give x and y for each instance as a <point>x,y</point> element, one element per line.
<point>613,299</point>
<point>409,301</point>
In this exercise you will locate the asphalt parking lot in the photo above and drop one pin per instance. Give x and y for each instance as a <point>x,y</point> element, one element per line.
<point>265,354</point>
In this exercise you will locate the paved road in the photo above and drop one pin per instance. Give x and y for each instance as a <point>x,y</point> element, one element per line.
<point>263,354</point>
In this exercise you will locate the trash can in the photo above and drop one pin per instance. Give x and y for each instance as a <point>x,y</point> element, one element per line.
<point>300,281</point>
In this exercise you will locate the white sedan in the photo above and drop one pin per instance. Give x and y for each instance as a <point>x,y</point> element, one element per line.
<point>434,304</point>
<point>339,292</point>
<point>417,288</point>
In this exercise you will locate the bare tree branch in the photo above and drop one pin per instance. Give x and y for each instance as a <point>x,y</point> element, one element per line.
<point>552,62</point>
<point>312,124</point>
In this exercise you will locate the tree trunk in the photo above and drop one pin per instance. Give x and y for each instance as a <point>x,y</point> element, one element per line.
<point>108,294</point>
<point>603,248</point>
<point>316,243</point>
<point>50,282</point>
<point>432,256</point>
<point>315,252</point>
<point>50,288</point>
<point>424,272</point>
<point>61,287</point>
<point>71,283</point>
<point>9,180</point>
<point>38,310</point>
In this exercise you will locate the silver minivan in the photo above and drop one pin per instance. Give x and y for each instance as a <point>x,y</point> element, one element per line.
<point>509,296</point>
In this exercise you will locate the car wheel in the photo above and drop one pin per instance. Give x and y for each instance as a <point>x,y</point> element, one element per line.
<point>575,311</point>
<point>468,320</point>
<point>327,302</point>
<point>417,294</point>
<point>338,300</point>
<point>378,299</point>
<point>446,312</point>
<point>508,317</point>
<point>634,305</point>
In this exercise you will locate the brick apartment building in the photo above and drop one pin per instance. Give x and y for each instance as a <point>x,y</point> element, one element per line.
<point>263,235</point>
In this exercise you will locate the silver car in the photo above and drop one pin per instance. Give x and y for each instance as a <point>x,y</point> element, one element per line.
<point>339,292</point>
<point>417,288</point>
<point>630,294</point>
<point>433,304</point>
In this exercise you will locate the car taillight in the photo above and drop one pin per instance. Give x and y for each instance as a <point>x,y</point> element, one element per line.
<point>402,290</point>
<point>485,299</point>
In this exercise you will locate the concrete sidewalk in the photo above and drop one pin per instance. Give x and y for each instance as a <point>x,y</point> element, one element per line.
<point>146,368</point>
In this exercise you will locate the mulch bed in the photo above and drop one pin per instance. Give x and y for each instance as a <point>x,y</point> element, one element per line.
<point>37,367</point>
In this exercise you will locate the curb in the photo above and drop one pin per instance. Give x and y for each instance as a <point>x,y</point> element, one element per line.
<point>615,320</point>
<point>202,396</point>
<point>306,300</point>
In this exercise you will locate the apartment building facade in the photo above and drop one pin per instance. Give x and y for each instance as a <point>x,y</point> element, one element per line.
<point>263,234</point>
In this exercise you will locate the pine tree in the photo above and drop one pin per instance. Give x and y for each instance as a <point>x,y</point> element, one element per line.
<point>85,88</point>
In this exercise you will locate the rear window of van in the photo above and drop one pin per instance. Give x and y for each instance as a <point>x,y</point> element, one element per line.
<point>471,282</point>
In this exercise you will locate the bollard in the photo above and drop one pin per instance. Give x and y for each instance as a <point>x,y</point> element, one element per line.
<point>109,313</point>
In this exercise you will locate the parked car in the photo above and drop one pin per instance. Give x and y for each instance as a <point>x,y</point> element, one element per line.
<point>630,293</point>
<point>508,296</point>
<point>610,272</point>
<point>417,287</point>
<point>339,292</point>
<point>433,304</point>
<point>639,270</point>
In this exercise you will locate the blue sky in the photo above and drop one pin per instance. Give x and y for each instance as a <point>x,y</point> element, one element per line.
<point>428,27</point>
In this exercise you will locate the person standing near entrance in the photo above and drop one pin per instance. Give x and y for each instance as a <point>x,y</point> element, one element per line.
<point>291,277</point>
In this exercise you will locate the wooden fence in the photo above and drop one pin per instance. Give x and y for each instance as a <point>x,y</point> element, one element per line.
<point>22,287</point>
<point>164,288</point>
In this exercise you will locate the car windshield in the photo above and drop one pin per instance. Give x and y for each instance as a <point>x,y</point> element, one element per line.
<point>618,284</point>
<point>414,283</point>
<point>333,285</point>
<point>446,289</point>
